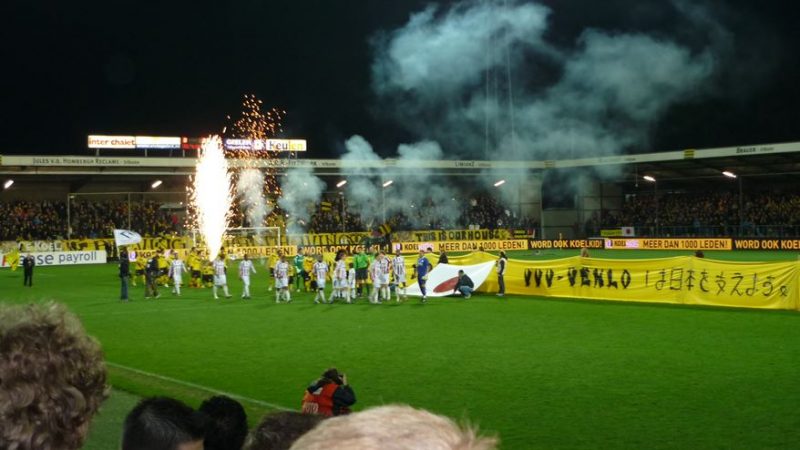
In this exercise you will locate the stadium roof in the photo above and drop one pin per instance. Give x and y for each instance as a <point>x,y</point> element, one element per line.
<point>779,160</point>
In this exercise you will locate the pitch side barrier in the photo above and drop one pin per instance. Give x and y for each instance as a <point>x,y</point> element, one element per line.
<point>724,244</point>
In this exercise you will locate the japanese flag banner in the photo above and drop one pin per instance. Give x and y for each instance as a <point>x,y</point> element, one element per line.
<point>126,237</point>
<point>442,279</point>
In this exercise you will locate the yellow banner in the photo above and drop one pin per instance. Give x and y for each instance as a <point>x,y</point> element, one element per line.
<point>464,246</point>
<point>684,280</point>
<point>669,244</point>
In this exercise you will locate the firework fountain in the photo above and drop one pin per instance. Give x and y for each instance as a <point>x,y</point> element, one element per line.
<point>211,195</point>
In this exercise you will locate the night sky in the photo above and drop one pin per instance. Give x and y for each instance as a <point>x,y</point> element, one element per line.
<point>179,67</point>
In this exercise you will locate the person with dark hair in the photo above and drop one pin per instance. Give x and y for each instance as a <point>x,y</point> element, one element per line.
<point>124,274</point>
<point>699,254</point>
<point>329,396</point>
<point>278,431</point>
<point>28,263</point>
<point>464,285</point>
<point>227,423</point>
<point>52,378</point>
<point>443,258</point>
<point>421,269</point>
<point>151,284</point>
<point>501,273</point>
<point>161,423</point>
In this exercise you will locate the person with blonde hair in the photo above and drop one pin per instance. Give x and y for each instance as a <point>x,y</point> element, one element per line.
<point>393,427</point>
<point>52,378</point>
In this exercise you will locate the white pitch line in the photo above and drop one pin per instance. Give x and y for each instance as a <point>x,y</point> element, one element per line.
<point>198,386</point>
<point>150,311</point>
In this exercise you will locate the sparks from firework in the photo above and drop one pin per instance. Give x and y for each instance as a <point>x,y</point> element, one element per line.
<point>256,186</point>
<point>211,195</point>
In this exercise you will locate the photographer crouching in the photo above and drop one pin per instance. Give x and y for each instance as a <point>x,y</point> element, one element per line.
<point>329,396</point>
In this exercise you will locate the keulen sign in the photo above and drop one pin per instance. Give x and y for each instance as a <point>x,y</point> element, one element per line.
<point>128,142</point>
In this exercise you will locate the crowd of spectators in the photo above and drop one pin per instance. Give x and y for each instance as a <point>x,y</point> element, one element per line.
<point>705,214</point>
<point>45,220</point>
<point>477,212</point>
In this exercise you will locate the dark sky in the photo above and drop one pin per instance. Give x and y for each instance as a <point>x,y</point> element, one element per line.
<point>178,67</point>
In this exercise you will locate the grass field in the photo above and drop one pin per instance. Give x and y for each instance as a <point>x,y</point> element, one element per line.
<point>539,373</point>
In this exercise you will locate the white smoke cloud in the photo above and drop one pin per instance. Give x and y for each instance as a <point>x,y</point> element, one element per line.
<point>610,88</point>
<point>250,190</point>
<point>301,191</point>
<point>420,196</point>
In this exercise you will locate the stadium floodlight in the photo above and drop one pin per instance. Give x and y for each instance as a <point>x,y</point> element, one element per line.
<point>156,184</point>
<point>388,183</point>
<point>8,184</point>
<point>729,174</point>
<point>649,178</point>
<point>500,183</point>
<point>341,183</point>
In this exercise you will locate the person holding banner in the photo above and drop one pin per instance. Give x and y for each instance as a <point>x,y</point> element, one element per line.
<point>501,272</point>
<point>464,285</point>
<point>421,269</point>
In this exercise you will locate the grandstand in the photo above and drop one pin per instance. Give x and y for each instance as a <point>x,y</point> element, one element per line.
<point>670,194</point>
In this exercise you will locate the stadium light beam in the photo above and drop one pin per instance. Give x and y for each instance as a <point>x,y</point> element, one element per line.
<point>729,174</point>
<point>388,183</point>
<point>649,178</point>
<point>500,183</point>
<point>341,183</point>
<point>8,184</point>
<point>156,184</point>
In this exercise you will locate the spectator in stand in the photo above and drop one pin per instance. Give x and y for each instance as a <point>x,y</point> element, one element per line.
<point>329,396</point>
<point>52,378</point>
<point>161,423</point>
<point>227,423</point>
<point>278,431</point>
<point>392,427</point>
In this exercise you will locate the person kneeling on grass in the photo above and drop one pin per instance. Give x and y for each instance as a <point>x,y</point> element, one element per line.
<point>464,285</point>
<point>329,396</point>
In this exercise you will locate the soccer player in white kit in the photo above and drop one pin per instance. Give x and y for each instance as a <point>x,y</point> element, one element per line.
<point>340,276</point>
<point>385,266</point>
<point>176,269</point>
<point>399,272</point>
<point>320,271</point>
<point>220,277</point>
<point>350,292</point>
<point>282,281</point>
<point>246,267</point>
<point>376,274</point>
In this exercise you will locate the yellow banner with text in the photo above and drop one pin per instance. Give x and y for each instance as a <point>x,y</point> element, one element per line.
<point>683,280</point>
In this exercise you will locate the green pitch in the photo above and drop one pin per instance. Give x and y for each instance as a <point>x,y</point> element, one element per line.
<point>539,373</point>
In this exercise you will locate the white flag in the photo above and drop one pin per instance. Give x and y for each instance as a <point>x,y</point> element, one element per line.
<point>442,279</point>
<point>126,237</point>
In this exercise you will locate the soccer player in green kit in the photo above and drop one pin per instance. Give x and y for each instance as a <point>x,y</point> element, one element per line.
<point>299,270</point>
<point>360,263</point>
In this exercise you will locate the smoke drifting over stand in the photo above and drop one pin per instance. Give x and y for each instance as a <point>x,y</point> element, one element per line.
<point>301,190</point>
<point>418,195</point>
<point>470,77</point>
